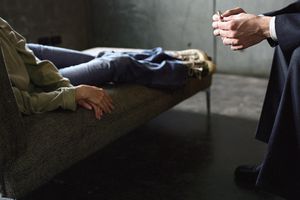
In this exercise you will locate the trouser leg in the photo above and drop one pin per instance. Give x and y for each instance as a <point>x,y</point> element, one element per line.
<point>61,57</point>
<point>273,95</point>
<point>94,72</point>
<point>280,169</point>
<point>152,68</point>
<point>156,55</point>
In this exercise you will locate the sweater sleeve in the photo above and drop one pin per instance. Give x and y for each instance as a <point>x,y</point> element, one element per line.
<point>31,103</point>
<point>44,88</point>
<point>52,91</point>
<point>45,75</point>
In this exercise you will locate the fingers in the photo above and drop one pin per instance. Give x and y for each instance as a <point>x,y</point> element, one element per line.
<point>95,98</point>
<point>230,41</point>
<point>91,106</point>
<point>224,25</point>
<point>233,11</point>
<point>108,105</point>
<point>236,48</point>
<point>216,32</point>
<point>106,102</point>
<point>215,24</point>
<point>216,17</point>
<point>226,34</point>
<point>97,110</point>
<point>109,100</point>
<point>105,106</point>
<point>227,20</point>
<point>235,44</point>
<point>100,98</point>
<point>85,105</point>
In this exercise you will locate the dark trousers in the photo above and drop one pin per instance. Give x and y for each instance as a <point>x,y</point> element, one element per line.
<point>153,68</point>
<point>279,126</point>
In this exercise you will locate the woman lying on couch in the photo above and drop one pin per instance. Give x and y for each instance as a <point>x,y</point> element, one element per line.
<point>46,78</point>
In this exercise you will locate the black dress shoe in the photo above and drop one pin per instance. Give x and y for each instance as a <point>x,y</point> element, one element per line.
<point>246,175</point>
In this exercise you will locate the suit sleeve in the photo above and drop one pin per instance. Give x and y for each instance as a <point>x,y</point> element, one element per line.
<point>292,8</point>
<point>287,24</point>
<point>288,31</point>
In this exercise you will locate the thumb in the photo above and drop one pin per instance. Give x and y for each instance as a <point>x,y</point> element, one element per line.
<point>233,11</point>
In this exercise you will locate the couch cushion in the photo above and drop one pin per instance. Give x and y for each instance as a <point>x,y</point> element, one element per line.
<point>56,140</point>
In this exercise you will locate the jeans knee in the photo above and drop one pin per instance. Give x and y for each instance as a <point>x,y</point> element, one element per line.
<point>122,62</point>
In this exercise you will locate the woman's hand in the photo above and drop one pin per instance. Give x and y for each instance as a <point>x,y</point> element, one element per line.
<point>239,29</point>
<point>94,98</point>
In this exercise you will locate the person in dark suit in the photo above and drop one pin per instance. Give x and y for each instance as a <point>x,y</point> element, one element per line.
<point>279,124</point>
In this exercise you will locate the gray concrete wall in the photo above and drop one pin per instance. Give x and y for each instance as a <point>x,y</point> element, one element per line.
<point>172,24</point>
<point>46,18</point>
<point>178,24</point>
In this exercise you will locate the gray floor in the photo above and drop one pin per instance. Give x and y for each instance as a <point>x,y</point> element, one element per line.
<point>232,96</point>
<point>178,155</point>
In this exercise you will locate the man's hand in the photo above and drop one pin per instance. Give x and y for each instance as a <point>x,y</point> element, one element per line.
<point>94,98</point>
<point>239,29</point>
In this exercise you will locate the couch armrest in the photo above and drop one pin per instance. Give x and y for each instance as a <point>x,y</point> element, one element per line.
<point>11,123</point>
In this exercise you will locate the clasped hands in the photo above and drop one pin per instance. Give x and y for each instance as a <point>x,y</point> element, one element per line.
<point>240,30</point>
<point>94,98</point>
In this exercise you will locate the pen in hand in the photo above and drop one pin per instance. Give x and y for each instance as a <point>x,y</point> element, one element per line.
<point>221,17</point>
<point>219,13</point>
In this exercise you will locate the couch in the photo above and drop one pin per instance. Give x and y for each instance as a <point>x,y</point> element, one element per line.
<point>33,149</point>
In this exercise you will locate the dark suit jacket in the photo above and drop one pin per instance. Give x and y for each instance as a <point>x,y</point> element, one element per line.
<point>287,25</point>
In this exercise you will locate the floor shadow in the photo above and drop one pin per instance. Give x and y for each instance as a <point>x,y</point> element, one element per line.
<point>176,156</point>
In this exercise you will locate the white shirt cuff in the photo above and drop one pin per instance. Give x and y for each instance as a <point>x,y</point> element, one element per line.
<point>273,29</point>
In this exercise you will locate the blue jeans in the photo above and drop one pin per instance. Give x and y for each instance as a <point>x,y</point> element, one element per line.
<point>153,68</point>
